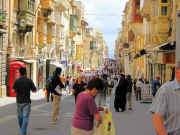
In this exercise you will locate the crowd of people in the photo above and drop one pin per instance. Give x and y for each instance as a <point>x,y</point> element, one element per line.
<point>86,88</point>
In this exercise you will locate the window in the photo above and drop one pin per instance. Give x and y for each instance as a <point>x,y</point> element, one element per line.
<point>3,4</point>
<point>30,5</point>
<point>156,8</point>
<point>164,1</point>
<point>164,10</point>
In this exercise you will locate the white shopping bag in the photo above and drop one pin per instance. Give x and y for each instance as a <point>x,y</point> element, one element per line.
<point>58,90</point>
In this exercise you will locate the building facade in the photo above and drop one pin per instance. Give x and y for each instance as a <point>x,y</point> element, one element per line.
<point>3,45</point>
<point>150,38</point>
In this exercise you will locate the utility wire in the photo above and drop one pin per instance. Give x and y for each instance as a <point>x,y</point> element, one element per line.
<point>95,14</point>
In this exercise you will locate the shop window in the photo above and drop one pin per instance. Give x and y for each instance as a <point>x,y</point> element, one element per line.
<point>164,10</point>
<point>164,1</point>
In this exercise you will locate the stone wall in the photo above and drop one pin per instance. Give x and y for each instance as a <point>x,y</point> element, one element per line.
<point>3,56</point>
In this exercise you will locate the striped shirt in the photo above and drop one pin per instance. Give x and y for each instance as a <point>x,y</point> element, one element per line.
<point>167,104</point>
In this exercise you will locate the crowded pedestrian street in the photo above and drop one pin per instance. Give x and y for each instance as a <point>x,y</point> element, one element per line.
<point>89,67</point>
<point>137,122</point>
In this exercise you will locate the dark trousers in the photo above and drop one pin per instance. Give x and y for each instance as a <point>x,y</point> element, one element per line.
<point>49,94</point>
<point>138,95</point>
<point>120,103</point>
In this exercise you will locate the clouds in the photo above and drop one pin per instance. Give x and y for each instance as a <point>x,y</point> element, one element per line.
<point>105,15</point>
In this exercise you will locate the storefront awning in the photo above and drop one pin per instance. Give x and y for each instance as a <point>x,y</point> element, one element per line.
<point>57,64</point>
<point>168,46</point>
<point>29,61</point>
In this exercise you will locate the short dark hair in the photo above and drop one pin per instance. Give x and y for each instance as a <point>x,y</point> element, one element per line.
<point>58,71</point>
<point>105,76</point>
<point>95,83</point>
<point>22,71</point>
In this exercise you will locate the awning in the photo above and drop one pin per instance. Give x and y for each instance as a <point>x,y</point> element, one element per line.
<point>168,46</point>
<point>57,64</point>
<point>29,61</point>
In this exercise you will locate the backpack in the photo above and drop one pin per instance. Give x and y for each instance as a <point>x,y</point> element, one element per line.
<point>49,85</point>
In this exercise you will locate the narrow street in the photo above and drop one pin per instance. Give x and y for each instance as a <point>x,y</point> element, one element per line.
<point>136,122</point>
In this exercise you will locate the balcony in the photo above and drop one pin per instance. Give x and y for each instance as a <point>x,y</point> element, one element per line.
<point>160,28</point>
<point>63,4</point>
<point>60,20</point>
<point>145,8</point>
<point>93,45</point>
<point>52,18</point>
<point>73,24</point>
<point>3,19</point>
<point>27,6</point>
<point>46,4</point>
<point>136,15</point>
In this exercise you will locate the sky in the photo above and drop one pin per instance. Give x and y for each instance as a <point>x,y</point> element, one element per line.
<point>105,15</point>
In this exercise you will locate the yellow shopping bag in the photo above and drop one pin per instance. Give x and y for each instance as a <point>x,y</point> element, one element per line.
<point>107,126</point>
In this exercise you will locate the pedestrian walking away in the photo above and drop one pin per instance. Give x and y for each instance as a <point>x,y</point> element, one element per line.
<point>139,87</point>
<point>48,89</point>
<point>102,94</point>
<point>165,107</point>
<point>86,109</point>
<point>129,92</point>
<point>22,87</point>
<point>134,86</point>
<point>155,85</point>
<point>57,87</point>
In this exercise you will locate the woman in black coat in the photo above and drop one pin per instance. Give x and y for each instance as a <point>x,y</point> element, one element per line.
<point>120,94</point>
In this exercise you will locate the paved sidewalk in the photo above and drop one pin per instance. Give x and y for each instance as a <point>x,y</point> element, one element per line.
<point>10,100</point>
<point>34,96</point>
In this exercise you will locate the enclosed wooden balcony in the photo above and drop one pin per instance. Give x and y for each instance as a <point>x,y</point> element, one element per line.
<point>136,15</point>
<point>63,4</point>
<point>145,8</point>
<point>48,4</point>
<point>3,19</point>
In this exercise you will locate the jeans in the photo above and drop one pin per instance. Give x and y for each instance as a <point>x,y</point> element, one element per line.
<point>23,112</point>
<point>102,99</point>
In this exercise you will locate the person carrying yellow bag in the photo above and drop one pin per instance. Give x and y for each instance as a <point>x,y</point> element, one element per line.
<point>107,126</point>
<point>86,109</point>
